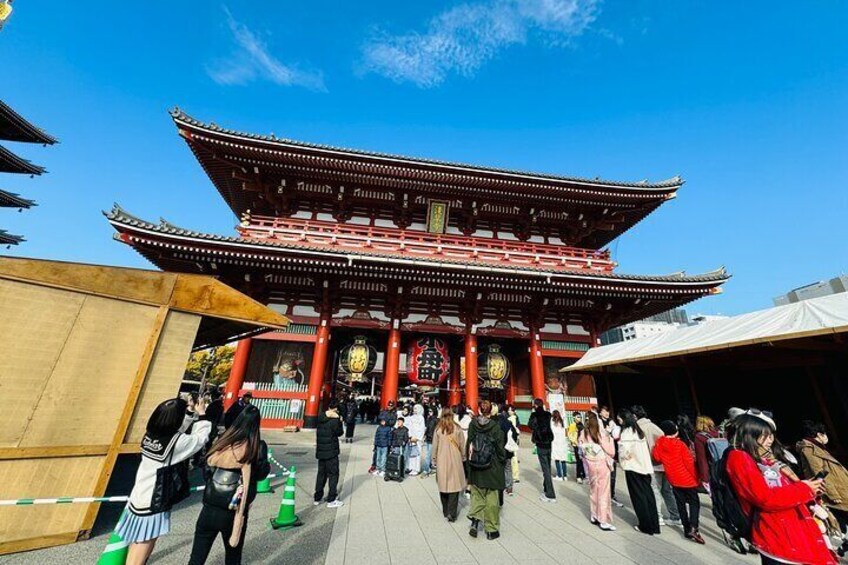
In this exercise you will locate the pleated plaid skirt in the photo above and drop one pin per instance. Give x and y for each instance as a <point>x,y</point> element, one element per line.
<point>136,529</point>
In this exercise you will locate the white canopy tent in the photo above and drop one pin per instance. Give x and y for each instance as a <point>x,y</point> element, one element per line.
<point>809,318</point>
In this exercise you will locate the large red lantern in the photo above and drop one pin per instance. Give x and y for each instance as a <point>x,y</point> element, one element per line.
<point>428,362</point>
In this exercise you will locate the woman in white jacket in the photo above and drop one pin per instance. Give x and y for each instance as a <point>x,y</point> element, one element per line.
<point>635,458</point>
<point>560,446</point>
<point>417,430</point>
<point>163,445</point>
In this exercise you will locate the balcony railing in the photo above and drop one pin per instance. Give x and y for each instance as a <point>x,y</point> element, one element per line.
<point>390,241</point>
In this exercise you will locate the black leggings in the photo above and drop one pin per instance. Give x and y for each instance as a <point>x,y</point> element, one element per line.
<point>211,522</point>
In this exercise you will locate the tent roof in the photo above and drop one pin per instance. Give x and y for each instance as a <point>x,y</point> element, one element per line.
<point>227,313</point>
<point>809,318</point>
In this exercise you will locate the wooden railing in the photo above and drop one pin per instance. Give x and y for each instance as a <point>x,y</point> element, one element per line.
<point>382,240</point>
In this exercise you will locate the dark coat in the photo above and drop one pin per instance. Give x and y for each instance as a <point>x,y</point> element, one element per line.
<point>351,411</point>
<point>400,437</point>
<point>327,436</point>
<point>383,436</point>
<point>431,423</point>
<point>493,477</point>
<point>540,421</point>
<point>390,416</point>
<point>507,428</point>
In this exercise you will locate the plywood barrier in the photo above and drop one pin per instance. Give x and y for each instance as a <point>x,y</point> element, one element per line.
<point>89,352</point>
<point>169,359</point>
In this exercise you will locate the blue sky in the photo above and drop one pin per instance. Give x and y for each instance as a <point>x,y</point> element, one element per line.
<point>747,101</point>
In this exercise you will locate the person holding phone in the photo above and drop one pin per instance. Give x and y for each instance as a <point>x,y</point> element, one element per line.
<point>819,462</point>
<point>775,500</point>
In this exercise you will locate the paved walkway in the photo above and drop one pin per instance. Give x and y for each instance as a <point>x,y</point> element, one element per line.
<point>389,523</point>
<point>401,523</point>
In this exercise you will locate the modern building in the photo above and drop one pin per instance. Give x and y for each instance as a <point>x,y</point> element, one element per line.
<point>652,325</point>
<point>813,290</point>
<point>490,280</point>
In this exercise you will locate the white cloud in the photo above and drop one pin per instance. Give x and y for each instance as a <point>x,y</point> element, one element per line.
<point>461,39</point>
<point>252,61</point>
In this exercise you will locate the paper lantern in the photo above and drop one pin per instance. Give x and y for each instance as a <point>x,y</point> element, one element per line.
<point>358,360</point>
<point>493,368</point>
<point>428,362</point>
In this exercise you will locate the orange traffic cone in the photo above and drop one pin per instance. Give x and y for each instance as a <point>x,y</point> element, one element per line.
<point>286,518</point>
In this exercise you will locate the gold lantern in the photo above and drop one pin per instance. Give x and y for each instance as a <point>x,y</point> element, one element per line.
<point>358,360</point>
<point>493,368</point>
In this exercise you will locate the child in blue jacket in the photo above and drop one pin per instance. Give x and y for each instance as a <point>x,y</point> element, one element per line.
<point>382,441</point>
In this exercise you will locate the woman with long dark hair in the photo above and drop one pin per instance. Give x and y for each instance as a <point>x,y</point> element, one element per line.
<point>635,458</point>
<point>559,446</point>
<point>516,423</point>
<point>783,528</point>
<point>235,462</point>
<point>598,451</point>
<point>686,431</point>
<point>163,448</point>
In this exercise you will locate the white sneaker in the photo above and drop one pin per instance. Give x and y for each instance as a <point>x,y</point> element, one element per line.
<point>335,504</point>
<point>316,503</point>
<point>381,473</point>
<point>544,498</point>
<point>617,504</point>
<point>558,479</point>
<point>413,473</point>
<point>579,481</point>
<point>607,527</point>
<point>662,522</point>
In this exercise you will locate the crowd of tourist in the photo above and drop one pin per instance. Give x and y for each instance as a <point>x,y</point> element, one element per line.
<point>790,505</point>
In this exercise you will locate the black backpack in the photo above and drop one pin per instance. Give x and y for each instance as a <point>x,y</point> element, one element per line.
<point>726,508</point>
<point>482,451</point>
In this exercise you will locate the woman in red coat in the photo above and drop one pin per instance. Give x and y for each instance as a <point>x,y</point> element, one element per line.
<point>783,529</point>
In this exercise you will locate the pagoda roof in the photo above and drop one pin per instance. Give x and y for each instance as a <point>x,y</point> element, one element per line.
<point>664,186</point>
<point>11,163</point>
<point>127,224</point>
<point>14,127</point>
<point>247,168</point>
<point>7,238</point>
<point>12,200</point>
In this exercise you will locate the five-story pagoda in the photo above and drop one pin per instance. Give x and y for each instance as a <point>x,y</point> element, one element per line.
<point>436,271</point>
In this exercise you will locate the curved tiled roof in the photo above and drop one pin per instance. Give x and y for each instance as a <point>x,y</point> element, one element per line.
<point>119,217</point>
<point>13,127</point>
<point>12,200</point>
<point>7,238</point>
<point>665,186</point>
<point>11,163</point>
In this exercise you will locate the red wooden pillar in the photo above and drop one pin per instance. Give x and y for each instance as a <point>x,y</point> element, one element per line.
<point>391,364</point>
<point>471,384</point>
<point>455,391</point>
<point>237,372</point>
<point>537,368</point>
<point>510,390</point>
<point>316,375</point>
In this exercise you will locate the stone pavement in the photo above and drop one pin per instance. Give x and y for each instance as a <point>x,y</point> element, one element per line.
<point>385,523</point>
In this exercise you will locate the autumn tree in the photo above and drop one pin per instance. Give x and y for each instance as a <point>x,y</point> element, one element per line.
<point>215,362</point>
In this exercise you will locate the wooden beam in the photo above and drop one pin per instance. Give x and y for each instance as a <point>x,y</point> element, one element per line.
<point>9,453</point>
<point>124,420</point>
<point>37,543</point>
